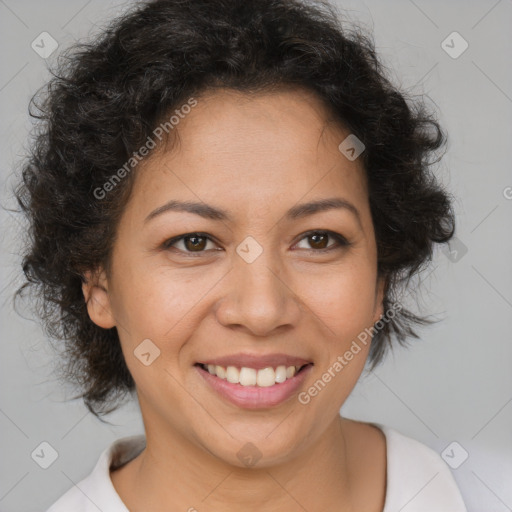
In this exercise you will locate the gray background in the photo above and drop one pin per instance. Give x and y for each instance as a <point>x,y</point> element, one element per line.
<point>453,385</point>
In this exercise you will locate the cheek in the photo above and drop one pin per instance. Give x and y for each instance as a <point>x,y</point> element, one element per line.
<point>345,305</point>
<point>344,299</point>
<point>161,304</point>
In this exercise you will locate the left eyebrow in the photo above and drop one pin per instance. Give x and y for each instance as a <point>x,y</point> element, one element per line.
<point>305,209</point>
<point>298,211</point>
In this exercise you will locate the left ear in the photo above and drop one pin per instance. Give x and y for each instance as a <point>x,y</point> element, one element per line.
<point>380,290</point>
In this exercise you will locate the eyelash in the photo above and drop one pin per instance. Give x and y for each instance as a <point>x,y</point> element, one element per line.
<point>340,240</point>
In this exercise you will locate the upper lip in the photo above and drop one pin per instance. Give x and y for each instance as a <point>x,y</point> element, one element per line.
<point>256,361</point>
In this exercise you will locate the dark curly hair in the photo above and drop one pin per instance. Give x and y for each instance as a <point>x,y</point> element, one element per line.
<point>108,95</point>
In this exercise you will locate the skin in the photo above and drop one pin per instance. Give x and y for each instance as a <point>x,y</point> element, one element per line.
<point>256,157</point>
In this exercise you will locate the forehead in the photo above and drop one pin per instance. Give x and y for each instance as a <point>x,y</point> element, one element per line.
<point>270,123</point>
<point>259,146</point>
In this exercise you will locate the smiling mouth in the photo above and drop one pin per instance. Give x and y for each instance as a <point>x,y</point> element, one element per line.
<point>245,376</point>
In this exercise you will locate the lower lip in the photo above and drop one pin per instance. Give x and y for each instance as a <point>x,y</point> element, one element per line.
<point>255,397</point>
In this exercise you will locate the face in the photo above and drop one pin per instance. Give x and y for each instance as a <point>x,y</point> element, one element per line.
<point>261,289</point>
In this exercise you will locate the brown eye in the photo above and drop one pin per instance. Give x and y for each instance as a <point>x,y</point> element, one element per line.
<point>190,243</point>
<point>195,243</point>
<point>318,241</point>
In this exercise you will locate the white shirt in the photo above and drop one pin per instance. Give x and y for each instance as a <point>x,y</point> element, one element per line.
<point>418,480</point>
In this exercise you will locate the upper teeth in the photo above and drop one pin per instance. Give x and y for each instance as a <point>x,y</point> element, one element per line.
<point>252,377</point>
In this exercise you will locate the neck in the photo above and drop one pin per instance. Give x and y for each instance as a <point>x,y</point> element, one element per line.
<point>179,473</point>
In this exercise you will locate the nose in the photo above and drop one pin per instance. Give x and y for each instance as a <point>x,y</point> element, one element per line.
<point>260,298</point>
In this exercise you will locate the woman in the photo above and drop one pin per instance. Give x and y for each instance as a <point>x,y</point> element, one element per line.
<point>226,199</point>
